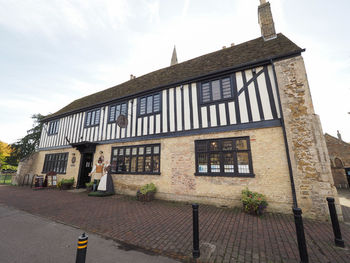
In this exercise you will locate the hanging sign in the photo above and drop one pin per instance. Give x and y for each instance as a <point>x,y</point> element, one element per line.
<point>122,121</point>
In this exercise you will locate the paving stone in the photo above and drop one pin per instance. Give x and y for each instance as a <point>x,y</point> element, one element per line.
<point>166,228</point>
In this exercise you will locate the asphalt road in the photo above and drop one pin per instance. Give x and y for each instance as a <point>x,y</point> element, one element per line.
<point>26,238</point>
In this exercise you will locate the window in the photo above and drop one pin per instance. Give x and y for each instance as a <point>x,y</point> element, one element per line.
<point>216,90</point>
<point>140,159</point>
<point>116,110</point>
<point>53,127</point>
<point>92,118</point>
<point>149,104</point>
<point>224,157</point>
<point>55,162</point>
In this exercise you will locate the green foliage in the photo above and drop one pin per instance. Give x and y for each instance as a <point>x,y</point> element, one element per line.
<point>253,202</point>
<point>148,188</point>
<point>66,182</point>
<point>5,152</point>
<point>99,194</point>
<point>89,184</point>
<point>28,144</point>
<point>5,179</point>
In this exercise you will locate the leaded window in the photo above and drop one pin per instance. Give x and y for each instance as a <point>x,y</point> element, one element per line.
<point>116,110</point>
<point>224,157</point>
<point>216,90</point>
<point>136,159</point>
<point>149,104</point>
<point>92,118</point>
<point>53,127</point>
<point>55,162</point>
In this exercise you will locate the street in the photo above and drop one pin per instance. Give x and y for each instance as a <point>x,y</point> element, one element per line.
<point>26,238</point>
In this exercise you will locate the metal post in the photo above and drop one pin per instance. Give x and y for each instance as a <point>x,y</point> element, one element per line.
<point>304,258</point>
<point>195,252</point>
<point>339,242</point>
<point>81,248</point>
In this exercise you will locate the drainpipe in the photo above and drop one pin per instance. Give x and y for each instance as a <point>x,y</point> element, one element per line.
<point>295,202</point>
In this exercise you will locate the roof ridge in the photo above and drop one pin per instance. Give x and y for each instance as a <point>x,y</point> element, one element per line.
<point>248,52</point>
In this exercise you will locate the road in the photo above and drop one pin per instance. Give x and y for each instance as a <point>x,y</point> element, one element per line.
<point>26,238</point>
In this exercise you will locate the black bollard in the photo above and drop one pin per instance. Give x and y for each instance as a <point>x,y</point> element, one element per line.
<point>339,242</point>
<point>82,248</point>
<point>304,258</point>
<point>195,252</point>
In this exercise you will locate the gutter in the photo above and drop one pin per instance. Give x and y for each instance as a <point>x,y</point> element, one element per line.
<point>182,82</point>
<point>291,177</point>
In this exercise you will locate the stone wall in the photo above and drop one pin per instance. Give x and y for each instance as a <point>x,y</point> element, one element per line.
<point>178,182</point>
<point>25,166</point>
<point>307,147</point>
<point>339,153</point>
<point>72,168</point>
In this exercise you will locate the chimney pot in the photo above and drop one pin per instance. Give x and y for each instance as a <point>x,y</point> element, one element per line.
<point>232,44</point>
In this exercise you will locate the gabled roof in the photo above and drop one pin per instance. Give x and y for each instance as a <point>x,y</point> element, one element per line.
<point>329,138</point>
<point>247,53</point>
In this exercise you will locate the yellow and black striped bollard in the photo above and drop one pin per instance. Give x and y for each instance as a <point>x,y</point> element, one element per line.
<point>82,248</point>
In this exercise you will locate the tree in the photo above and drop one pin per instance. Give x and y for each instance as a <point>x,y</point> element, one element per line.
<point>28,144</point>
<point>5,151</point>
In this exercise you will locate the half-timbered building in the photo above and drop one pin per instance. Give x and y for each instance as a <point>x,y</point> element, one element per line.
<point>204,129</point>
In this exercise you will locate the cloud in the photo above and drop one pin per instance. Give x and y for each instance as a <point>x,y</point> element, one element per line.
<point>152,8</point>
<point>53,19</point>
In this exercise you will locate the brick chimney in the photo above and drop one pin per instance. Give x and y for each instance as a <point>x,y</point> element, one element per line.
<point>266,21</point>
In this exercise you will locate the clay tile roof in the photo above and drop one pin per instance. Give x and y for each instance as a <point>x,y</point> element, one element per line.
<point>246,53</point>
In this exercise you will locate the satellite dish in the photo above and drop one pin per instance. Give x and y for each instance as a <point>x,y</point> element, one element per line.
<point>122,121</point>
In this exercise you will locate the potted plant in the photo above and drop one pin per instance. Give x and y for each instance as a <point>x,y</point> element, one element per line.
<point>146,193</point>
<point>253,202</point>
<point>89,186</point>
<point>65,184</point>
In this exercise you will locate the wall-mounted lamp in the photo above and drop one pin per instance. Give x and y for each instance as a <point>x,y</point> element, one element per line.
<point>101,152</point>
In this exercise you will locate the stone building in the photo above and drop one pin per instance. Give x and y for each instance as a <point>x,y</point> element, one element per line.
<point>204,129</point>
<point>339,154</point>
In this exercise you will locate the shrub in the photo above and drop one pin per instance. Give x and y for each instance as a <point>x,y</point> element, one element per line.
<point>68,181</point>
<point>146,192</point>
<point>148,188</point>
<point>65,183</point>
<point>253,202</point>
<point>89,184</point>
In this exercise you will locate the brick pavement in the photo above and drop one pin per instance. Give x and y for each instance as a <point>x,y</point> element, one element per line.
<point>226,235</point>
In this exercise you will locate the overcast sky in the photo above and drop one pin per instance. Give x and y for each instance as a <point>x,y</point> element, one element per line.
<point>53,52</point>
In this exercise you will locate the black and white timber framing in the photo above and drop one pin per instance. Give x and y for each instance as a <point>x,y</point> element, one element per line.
<point>254,104</point>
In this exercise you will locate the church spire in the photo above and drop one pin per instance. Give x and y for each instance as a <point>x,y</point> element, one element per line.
<point>173,58</point>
